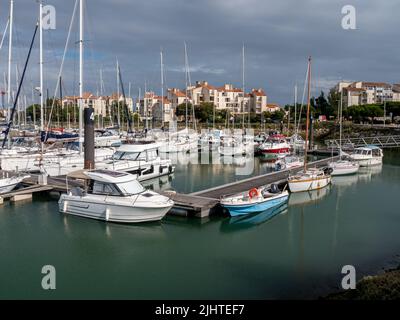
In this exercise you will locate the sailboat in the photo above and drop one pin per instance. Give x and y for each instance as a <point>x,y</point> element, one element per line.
<point>309,179</point>
<point>342,167</point>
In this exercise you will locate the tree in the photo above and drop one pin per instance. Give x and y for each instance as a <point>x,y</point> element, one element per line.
<point>334,99</point>
<point>204,112</point>
<point>322,106</point>
<point>364,112</point>
<point>181,110</point>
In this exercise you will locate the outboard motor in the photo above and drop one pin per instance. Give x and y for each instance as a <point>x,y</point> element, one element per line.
<point>328,170</point>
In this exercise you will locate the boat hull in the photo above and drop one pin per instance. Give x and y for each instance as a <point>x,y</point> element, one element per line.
<point>369,162</point>
<point>110,212</point>
<point>244,209</point>
<point>8,188</point>
<point>339,170</point>
<point>309,184</point>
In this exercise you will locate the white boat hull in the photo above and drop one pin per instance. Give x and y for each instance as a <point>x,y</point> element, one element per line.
<point>118,213</point>
<point>309,184</point>
<point>7,188</point>
<point>370,162</point>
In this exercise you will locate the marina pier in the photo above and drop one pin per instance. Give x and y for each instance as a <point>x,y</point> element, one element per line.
<point>199,204</point>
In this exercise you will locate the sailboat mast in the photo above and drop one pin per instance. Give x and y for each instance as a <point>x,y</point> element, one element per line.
<point>10,57</point>
<point>243,83</point>
<point>295,108</point>
<point>162,87</point>
<point>41,65</point>
<point>145,104</point>
<point>308,113</point>
<point>341,123</point>
<point>186,91</point>
<point>81,77</point>
<point>118,108</point>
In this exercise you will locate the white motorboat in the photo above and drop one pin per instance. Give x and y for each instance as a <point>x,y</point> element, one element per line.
<point>343,167</point>
<point>289,162</point>
<point>115,197</point>
<point>368,156</point>
<point>8,184</point>
<point>275,144</point>
<point>59,165</point>
<point>141,159</point>
<point>31,161</point>
<point>311,179</point>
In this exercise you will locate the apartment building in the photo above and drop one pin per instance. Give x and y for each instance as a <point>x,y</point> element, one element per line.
<point>152,105</point>
<point>228,97</point>
<point>101,104</point>
<point>362,92</point>
<point>224,97</point>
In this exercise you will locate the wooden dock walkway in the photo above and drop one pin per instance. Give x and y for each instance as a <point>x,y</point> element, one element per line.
<point>254,182</point>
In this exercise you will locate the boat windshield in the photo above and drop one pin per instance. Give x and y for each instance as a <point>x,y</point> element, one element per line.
<point>119,155</point>
<point>130,155</point>
<point>130,187</point>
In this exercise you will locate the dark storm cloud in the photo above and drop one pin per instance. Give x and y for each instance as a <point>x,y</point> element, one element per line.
<point>278,35</point>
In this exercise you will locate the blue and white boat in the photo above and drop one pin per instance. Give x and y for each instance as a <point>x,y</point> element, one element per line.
<point>256,200</point>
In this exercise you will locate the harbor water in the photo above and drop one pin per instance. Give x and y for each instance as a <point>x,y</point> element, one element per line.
<point>295,252</point>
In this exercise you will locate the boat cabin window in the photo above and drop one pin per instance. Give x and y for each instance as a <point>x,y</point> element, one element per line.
<point>151,155</point>
<point>142,156</point>
<point>376,152</point>
<point>130,156</point>
<point>117,155</point>
<point>130,187</point>
<point>101,188</point>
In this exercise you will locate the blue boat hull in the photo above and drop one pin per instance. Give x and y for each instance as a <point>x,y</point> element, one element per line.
<point>238,210</point>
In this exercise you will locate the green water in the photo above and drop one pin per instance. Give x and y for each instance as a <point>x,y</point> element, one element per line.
<point>298,253</point>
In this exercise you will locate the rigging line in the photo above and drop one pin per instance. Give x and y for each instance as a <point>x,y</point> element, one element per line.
<point>19,89</point>
<point>302,102</point>
<point>62,66</point>
<point>5,33</point>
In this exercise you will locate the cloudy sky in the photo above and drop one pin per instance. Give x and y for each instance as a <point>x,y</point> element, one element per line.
<point>278,36</point>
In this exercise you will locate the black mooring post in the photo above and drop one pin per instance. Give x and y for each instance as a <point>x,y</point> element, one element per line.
<point>88,116</point>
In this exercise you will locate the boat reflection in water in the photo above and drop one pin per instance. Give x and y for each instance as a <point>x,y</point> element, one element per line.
<point>76,227</point>
<point>365,173</point>
<point>302,198</point>
<point>345,181</point>
<point>248,221</point>
<point>160,184</point>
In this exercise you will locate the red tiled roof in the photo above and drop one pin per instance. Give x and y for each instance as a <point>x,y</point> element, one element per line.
<point>353,89</point>
<point>375,84</point>
<point>258,93</point>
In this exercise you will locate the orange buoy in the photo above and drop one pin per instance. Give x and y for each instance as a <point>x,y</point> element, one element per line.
<point>253,193</point>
